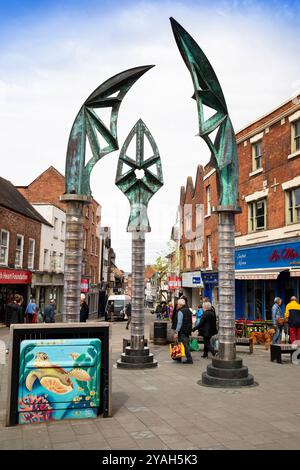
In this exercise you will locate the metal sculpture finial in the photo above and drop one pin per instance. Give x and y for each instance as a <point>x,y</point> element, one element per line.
<point>87,124</point>
<point>208,92</point>
<point>139,191</point>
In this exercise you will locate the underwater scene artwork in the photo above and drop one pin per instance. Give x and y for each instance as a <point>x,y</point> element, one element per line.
<point>59,379</point>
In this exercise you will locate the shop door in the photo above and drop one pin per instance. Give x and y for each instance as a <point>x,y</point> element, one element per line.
<point>269,298</point>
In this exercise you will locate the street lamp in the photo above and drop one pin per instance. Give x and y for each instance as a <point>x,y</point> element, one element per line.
<point>227,370</point>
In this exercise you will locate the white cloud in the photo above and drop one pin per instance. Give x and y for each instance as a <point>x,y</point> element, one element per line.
<point>49,68</point>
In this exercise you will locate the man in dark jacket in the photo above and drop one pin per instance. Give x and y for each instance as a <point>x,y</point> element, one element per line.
<point>207,327</point>
<point>84,309</point>
<point>14,314</point>
<point>128,313</point>
<point>184,328</point>
<point>49,312</point>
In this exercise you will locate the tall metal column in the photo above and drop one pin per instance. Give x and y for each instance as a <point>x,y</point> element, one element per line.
<point>138,290</point>
<point>226,370</point>
<point>73,256</point>
<point>227,348</point>
<point>139,190</point>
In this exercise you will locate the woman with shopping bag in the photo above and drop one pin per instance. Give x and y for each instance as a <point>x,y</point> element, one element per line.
<point>184,329</point>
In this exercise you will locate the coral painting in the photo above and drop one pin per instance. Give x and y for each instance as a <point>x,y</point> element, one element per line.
<point>59,379</point>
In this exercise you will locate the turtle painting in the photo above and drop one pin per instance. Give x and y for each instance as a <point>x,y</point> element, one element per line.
<point>52,377</point>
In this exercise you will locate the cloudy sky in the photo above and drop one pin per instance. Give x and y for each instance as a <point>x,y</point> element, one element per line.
<point>54,53</point>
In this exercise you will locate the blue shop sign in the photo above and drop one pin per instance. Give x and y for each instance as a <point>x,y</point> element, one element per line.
<point>281,255</point>
<point>196,280</point>
<point>210,278</point>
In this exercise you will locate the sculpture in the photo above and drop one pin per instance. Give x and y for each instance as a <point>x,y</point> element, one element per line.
<point>139,191</point>
<point>87,124</point>
<point>226,370</point>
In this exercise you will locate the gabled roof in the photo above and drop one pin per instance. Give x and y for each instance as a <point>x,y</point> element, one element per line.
<point>12,199</point>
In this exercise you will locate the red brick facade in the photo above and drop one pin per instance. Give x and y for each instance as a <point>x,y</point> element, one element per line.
<point>47,188</point>
<point>18,224</point>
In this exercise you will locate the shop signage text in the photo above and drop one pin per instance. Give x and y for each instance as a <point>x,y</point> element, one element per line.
<point>174,282</point>
<point>84,286</point>
<point>279,255</point>
<point>11,276</point>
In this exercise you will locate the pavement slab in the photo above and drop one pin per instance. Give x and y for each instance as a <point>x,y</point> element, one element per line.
<point>166,408</point>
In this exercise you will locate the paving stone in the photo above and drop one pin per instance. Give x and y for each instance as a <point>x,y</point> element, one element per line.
<point>63,436</point>
<point>122,443</point>
<point>133,426</point>
<point>85,429</point>
<point>13,432</point>
<point>152,444</point>
<point>12,444</point>
<point>75,445</point>
<point>142,434</point>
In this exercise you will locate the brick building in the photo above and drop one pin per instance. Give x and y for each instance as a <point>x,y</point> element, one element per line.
<point>267,231</point>
<point>198,236</point>
<point>20,234</point>
<point>47,188</point>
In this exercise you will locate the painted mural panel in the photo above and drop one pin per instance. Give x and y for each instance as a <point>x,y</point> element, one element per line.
<point>59,379</point>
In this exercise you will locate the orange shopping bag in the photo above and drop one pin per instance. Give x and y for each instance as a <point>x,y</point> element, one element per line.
<point>177,350</point>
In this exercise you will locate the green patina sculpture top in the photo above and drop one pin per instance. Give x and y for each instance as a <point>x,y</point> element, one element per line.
<point>139,190</point>
<point>87,123</point>
<point>208,92</point>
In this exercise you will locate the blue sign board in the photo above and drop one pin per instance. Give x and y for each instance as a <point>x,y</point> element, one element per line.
<point>196,280</point>
<point>279,255</point>
<point>210,278</point>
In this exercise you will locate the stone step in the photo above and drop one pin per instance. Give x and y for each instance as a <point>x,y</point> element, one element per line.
<point>226,383</point>
<point>224,364</point>
<point>227,373</point>
<point>136,359</point>
<point>126,365</point>
<point>137,352</point>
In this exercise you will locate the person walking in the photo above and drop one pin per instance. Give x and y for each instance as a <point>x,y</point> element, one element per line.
<point>14,314</point>
<point>199,314</point>
<point>184,329</point>
<point>277,320</point>
<point>84,309</point>
<point>292,316</point>
<point>31,312</point>
<point>49,312</point>
<point>207,327</point>
<point>128,313</point>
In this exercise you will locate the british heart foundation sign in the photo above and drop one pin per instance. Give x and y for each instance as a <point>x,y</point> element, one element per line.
<point>14,276</point>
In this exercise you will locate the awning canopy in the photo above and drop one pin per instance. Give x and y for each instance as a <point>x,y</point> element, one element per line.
<point>295,272</point>
<point>256,275</point>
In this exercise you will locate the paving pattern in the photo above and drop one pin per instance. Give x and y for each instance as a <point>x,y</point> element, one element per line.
<point>166,408</point>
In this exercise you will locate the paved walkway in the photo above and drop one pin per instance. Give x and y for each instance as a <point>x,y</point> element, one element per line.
<point>165,408</point>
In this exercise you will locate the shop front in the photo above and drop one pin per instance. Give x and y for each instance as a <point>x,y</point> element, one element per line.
<point>192,286</point>
<point>46,286</point>
<point>211,290</point>
<point>13,281</point>
<point>262,273</point>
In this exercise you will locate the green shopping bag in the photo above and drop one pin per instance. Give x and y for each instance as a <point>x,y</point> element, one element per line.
<point>193,345</point>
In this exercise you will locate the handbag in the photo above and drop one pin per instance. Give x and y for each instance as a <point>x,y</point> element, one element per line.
<point>177,350</point>
<point>193,345</point>
<point>280,321</point>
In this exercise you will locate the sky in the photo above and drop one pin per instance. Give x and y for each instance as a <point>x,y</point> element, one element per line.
<point>53,54</point>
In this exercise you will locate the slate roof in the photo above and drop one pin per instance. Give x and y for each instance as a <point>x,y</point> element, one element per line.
<point>12,199</point>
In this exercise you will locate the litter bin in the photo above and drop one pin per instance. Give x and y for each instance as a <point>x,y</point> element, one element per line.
<point>160,332</point>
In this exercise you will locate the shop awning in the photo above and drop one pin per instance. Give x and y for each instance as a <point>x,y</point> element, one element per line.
<point>295,272</point>
<point>256,275</point>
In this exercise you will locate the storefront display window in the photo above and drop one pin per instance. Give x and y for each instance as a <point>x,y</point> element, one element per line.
<point>269,298</point>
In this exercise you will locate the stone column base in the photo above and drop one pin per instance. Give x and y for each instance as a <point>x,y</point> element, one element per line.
<point>226,374</point>
<point>136,359</point>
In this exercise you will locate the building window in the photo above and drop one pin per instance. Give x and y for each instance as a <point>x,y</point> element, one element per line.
<point>53,260</point>
<point>96,246</point>
<point>296,136</point>
<point>55,227</point>
<point>208,204</point>
<point>4,247</point>
<point>62,231</point>
<point>85,239</point>
<point>45,262</point>
<point>188,224</point>
<point>209,253</point>
<point>31,253</point>
<point>257,155</point>
<point>293,206</point>
<point>61,259</point>
<point>83,268</point>
<point>19,251</point>
<point>257,215</point>
<point>87,212</point>
<point>93,216</point>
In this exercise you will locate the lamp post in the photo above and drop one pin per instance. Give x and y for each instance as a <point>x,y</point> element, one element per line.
<point>88,125</point>
<point>227,370</point>
<point>139,184</point>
